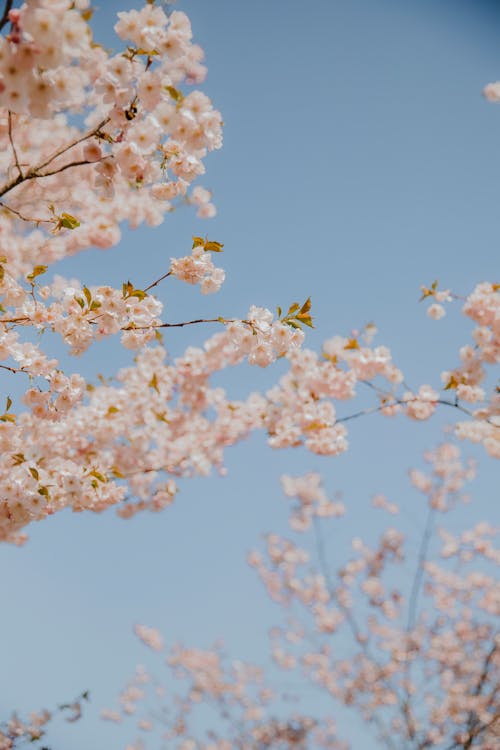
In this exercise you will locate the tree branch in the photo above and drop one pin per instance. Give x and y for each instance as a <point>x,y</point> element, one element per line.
<point>12,144</point>
<point>34,172</point>
<point>5,16</point>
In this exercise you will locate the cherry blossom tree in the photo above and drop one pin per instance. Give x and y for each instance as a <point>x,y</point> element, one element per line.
<point>420,665</point>
<point>92,140</point>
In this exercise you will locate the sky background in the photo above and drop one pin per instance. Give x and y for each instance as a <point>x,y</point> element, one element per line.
<point>359,162</point>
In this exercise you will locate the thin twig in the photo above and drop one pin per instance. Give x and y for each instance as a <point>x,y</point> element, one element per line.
<point>35,171</point>
<point>63,150</point>
<point>155,283</point>
<point>14,369</point>
<point>362,413</point>
<point>412,615</point>
<point>71,164</point>
<point>13,146</point>
<point>176,325</point>
<point>15,320</point>
<point>417,580</point>
<point>25,218</point>
<point>473,727</point>
<point>324,567</point>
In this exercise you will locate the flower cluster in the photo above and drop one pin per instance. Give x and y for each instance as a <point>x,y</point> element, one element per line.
<point>141,143</point>
<point>198,268</point>
<point>421,665</point>
<point>238,695</point>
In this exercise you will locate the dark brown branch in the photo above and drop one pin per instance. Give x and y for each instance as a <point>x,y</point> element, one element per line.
<point>5,16</point>
<point>177,325</point>
<point>155,283</point>
<point>35,171</point>
<point>63,150</point>
<point>65,167</point>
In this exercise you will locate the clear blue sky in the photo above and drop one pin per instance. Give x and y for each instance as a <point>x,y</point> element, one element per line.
<point>360,161</point>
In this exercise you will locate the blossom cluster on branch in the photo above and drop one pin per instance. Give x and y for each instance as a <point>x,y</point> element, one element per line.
<point>419,663</point>
<point>91,139</point>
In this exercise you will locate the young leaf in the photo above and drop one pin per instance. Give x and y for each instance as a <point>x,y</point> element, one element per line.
<point>138,293</point>
<point>215,247</point>
<point>352,344</point>
<point>8,418</point>
<point>153,383</point>
<point>305,307</point>
<point>69,222</point>
<point>176,95</point>
<point>98,475</point>
<point>37,271</point>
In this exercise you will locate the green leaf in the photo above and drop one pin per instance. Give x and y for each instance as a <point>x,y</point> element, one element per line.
<point>175,93</point>
<point>153,383</point>
<point>127,287</point>
<point>198,242</point>
<point>451,384</point>
<point>8,403</point>
<point>87,294</point>
<point>139,293</point>
<point>212,246</point>
<point>97,475</point>
<point>80,301</point>
<point>68,221</point>
<point>305,307</point>
<point>148,52</point>
<point>18,458</point>
<point>8,418</point>
<point>37,271</point>
<point>352,344</point>
<point>34,473</point>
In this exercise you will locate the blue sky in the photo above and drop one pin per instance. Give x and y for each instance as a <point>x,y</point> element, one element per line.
<point>360,161</point>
